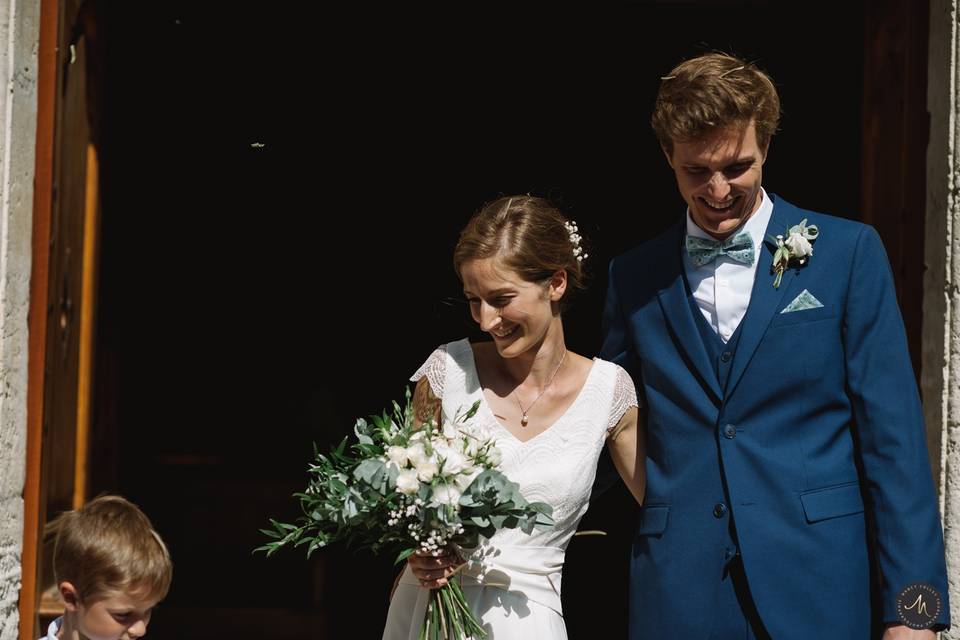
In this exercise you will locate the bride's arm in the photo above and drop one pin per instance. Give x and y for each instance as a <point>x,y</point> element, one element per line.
<point>426,406</point>
<point>627,448</point>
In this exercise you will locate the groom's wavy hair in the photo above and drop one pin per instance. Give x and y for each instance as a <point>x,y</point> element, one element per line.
<point>526,234</point>
<point>710,92</point>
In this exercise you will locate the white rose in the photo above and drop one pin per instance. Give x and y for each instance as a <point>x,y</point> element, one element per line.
<point>398,456</point>
<point>427,470</point>
<point>445,494</point>
<point>494,456</point>
<point>454,462</point>
<point>416,454</point>
<point>407,482</point>
<point>464,479</point>
<point>798,245</point>
<point>449,431</point>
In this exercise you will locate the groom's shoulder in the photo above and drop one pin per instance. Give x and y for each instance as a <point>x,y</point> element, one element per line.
<point>652,250</point>
<point>839,238</point>
<point>837,225</point>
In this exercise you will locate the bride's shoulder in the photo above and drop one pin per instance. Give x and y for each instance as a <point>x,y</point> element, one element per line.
<point>613,366</point>
<point>436,362</point>
<point>620,376</point>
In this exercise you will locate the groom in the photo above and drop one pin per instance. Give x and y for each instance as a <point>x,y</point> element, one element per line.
<point>789,492</point>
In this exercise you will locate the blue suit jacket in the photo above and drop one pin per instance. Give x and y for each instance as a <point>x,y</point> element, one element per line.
<point>828,437</point>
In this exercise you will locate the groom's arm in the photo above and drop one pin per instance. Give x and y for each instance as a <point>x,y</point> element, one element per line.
<point>617,343</point>
<point>888,426</point>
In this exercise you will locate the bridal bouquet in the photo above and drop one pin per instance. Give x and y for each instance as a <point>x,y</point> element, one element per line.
<point>410,488</point>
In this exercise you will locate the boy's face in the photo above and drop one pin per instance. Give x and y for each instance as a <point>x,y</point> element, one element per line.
<point>719,177</point>
<point>116,617</point>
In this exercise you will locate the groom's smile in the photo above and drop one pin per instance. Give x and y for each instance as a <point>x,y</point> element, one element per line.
<point>719,177</point>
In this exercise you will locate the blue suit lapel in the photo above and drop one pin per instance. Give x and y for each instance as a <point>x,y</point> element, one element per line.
<point>675,303</point>
<point>764,299</point>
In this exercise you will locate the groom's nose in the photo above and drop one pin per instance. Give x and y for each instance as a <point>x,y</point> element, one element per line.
<point>718,187</point>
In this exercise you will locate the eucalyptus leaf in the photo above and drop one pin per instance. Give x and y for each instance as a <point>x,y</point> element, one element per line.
<point>480,521</point>
<point>403,555</point>
<point>369,470</point>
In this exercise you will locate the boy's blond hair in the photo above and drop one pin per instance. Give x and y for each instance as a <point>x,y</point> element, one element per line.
<point>108,546</point>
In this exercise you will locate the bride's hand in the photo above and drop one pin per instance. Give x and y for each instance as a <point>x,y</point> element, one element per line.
<point>432,571</point>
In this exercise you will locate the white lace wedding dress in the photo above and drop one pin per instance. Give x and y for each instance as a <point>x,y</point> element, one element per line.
<point>513,581</point>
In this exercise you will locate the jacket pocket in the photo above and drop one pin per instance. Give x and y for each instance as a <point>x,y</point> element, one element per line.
<point>652,520</point>
<point>832,502</point>
<point>805,315</point>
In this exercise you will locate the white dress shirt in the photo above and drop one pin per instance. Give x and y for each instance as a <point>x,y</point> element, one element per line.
<point>722,288</point>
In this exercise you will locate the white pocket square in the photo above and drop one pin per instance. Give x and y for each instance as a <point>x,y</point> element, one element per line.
<point>802,302</point>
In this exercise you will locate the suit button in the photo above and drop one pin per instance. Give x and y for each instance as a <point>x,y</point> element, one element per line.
<point>726,356</point>
<point>730,432</point>
<point>719,510</point>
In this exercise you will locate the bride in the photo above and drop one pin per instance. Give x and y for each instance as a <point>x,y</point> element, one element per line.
<point>550,409</point>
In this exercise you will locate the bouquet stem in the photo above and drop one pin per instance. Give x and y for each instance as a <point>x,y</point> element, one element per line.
<point>448,616</point>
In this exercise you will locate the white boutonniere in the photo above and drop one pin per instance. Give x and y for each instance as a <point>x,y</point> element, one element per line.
<point>796,248</point>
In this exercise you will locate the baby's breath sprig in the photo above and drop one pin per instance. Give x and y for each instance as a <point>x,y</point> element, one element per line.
<point>575,239</point>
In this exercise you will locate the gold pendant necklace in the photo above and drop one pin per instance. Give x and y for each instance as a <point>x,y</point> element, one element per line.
<point>524,420</point>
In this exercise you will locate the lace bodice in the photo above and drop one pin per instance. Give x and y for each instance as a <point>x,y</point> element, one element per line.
<point>558,465</point>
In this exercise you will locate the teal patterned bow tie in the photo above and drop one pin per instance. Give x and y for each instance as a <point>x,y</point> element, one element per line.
<point>738,247</point>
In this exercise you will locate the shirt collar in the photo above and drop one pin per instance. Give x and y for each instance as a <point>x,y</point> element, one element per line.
<point>756,225</point>
<point>53,629</point>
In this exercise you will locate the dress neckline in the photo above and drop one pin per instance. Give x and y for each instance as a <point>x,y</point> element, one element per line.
<point>472,370</point>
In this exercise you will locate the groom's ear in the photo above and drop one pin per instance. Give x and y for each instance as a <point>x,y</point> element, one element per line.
<point>667,153</point>
<point>766,151</point>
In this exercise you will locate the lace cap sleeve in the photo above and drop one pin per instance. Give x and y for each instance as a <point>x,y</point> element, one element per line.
<point>624,397</point>
<point>434,369</point>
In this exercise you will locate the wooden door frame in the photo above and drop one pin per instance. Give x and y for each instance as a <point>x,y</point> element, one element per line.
<point>33,507</point>
<point>61,313</point>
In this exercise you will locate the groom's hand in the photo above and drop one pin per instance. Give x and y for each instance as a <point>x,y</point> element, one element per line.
<point>433,571</point>
<point>900,632</point>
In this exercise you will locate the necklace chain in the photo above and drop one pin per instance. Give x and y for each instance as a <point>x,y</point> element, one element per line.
<point>523,418</point>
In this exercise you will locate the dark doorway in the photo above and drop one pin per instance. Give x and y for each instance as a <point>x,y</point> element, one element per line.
<point>256,299</point>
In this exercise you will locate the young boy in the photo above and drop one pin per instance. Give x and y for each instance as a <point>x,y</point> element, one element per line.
<point>111,568</point>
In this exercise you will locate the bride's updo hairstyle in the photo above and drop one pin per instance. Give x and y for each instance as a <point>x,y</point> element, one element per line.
<point>527,235</point>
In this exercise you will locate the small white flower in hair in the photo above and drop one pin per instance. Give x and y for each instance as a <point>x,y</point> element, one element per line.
<point>575,239</point>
